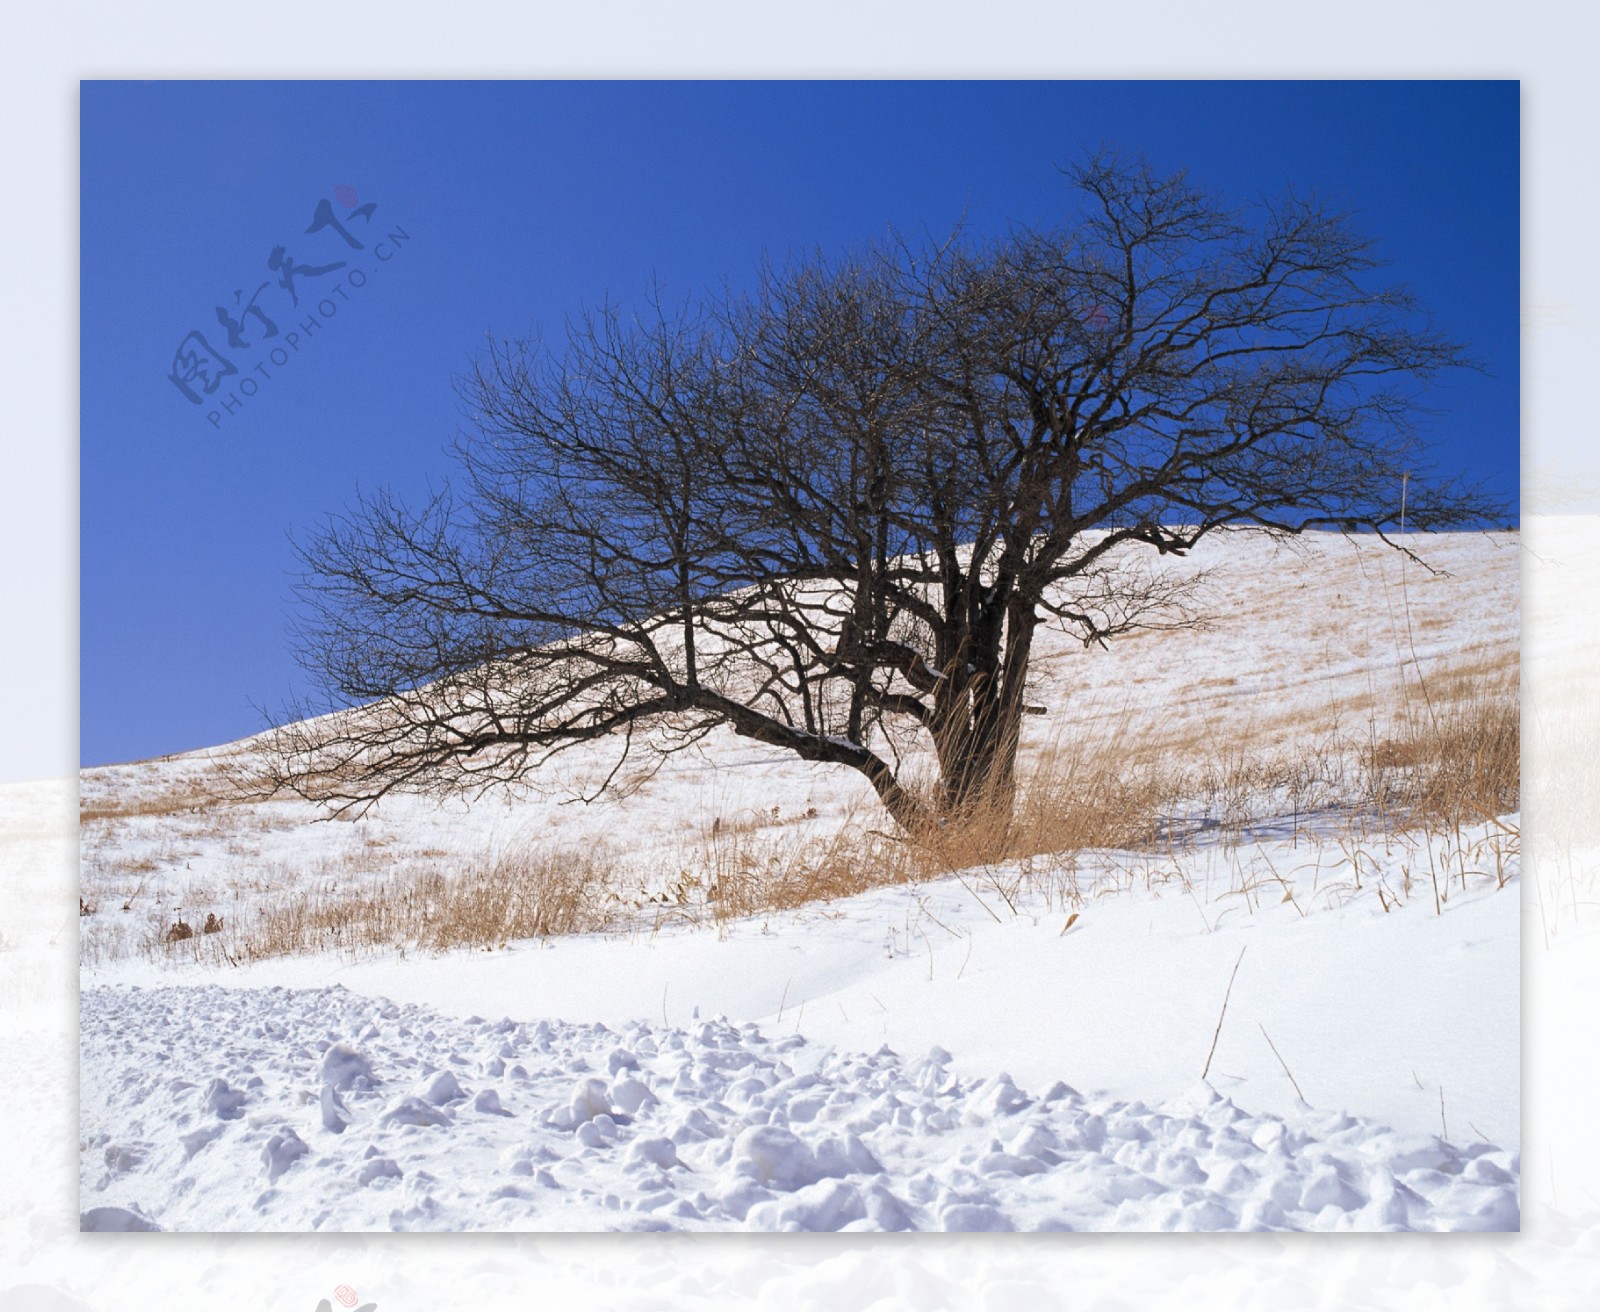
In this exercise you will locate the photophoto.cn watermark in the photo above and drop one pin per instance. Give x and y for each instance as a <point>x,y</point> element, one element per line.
<point>261,335</point>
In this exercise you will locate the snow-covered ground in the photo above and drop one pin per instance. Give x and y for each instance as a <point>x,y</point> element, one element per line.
<point>1014,1047</point>
<point>1308,641</point>
<point>346,1112</point>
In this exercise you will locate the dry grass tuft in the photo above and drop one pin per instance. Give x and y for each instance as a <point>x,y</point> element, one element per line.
<point>1099,791</point>
<point>1110,790</point>
<point>493,902</point>
<point>1452,760</point>
<point>739,872</point>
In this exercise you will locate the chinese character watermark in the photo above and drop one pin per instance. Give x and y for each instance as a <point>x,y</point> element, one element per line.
<point>221,380</point>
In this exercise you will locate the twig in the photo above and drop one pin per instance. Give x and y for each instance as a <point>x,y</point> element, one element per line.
<point>922,906</point>
<point>961,879</point>
<point>1443,1124</point>
<point>994,881</point>
<point>1281,1061</point>
<point>1217,1033</point>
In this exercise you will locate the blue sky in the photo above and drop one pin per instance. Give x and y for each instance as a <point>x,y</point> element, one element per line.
<point>505,207</point>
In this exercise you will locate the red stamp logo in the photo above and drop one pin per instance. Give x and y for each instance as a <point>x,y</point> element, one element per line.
<point>345,1295</point>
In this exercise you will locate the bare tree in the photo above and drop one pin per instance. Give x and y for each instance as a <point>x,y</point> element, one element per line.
<point>833,512</point>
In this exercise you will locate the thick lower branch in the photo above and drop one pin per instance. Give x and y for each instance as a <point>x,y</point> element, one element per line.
<point>748,723</point>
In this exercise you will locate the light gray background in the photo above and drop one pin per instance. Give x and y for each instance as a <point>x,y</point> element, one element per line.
<point>48,49</point>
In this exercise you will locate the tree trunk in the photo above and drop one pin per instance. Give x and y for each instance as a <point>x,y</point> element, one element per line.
<point>977,735</point>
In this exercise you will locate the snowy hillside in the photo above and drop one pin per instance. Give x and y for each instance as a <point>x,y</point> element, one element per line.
<point>1015,1044</point>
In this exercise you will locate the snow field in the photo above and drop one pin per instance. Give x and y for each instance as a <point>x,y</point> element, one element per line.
<point>1325,630</point>
<point>217,1109</point>
<point>1381,971</point>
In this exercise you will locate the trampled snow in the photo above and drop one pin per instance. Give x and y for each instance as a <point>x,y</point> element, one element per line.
<point>471,1123</point>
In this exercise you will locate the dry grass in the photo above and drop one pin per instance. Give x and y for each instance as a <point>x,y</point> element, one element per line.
<point>740,872</point>
<point>1112,789</point>
<point>518,895</point>
<point>193,796</point>
<point>1451,760</point>
<point>1098,791</point>
<point>1446,756</point>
